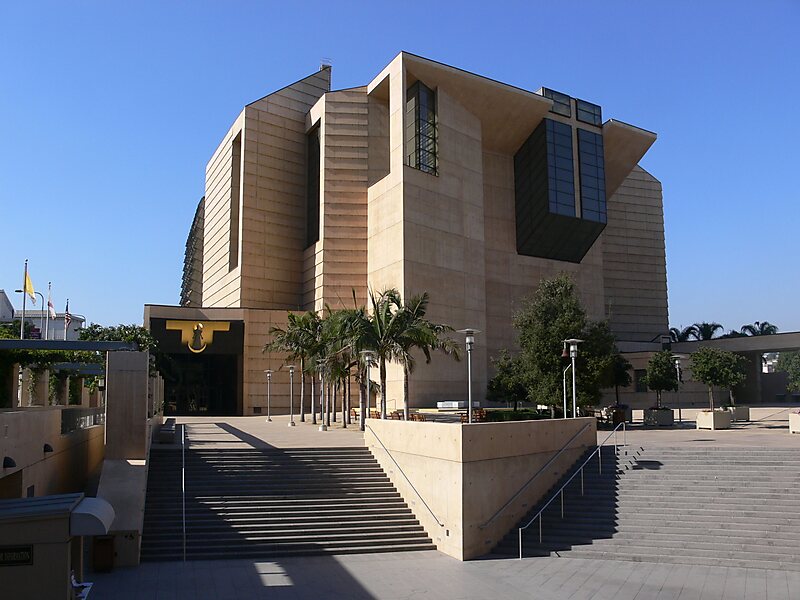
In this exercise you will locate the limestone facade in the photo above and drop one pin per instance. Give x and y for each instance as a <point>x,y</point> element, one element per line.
<point>384,223</point>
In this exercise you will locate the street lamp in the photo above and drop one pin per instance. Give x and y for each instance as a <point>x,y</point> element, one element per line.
<point>291,395</point>
<point>321,367</point>
<point>268,373</point>
<point>41,318</point>
<point>573,354</point>
<point>677,358</point>
<point>470,340</point>
<point>369,357</point>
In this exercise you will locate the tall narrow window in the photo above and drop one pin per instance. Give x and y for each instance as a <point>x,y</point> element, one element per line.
<point>561,176</point>
<point>312,188</point>
<point>592,176</point>
<point>420,139</point>
<point>236,168</point>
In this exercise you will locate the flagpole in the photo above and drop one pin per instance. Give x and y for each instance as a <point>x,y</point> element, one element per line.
<point>47,308</point>
<point>24,294</point>
<point>66,314</point>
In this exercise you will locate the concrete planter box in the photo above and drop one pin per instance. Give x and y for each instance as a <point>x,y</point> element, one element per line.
<point>740,413</point>
<point>794,423</point>
<point>718,419</point>
<point>659,418</point>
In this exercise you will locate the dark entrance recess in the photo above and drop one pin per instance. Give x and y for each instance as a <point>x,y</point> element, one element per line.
<point>201,383</point>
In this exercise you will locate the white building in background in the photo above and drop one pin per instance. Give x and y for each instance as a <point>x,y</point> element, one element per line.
<point>6,308</point>
<point>38,318</point>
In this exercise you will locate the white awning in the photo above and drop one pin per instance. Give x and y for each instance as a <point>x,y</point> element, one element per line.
<point>92,516</point>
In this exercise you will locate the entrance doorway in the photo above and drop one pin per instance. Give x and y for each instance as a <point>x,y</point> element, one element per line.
<point>201,385</point>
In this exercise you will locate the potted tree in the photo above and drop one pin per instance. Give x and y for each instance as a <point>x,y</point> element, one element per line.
<point>712,366</point>
<point>661,377</point>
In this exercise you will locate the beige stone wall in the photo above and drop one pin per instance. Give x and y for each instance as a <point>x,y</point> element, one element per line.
<point>336,266</point>
<point>274,194</point>
<point>221,285</point>
<point>634,270</point>
<point>470,484</point>
<point>76,456</point>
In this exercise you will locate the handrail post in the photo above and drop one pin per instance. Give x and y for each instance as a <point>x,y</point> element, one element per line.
<point>540,528</point>
<point>520,542</point>
<point>183,485</point>
<point>562,502</point>
<point>600,459</point>
<point>624,435</point>
<point>581,481</point>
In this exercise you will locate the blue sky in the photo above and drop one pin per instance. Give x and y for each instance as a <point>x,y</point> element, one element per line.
<point>109,112</point>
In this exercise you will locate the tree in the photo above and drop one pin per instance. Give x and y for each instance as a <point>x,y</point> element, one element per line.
<point>416,332</point>
<point>661,374</point>
<point>684,334</point>
<point>620,374</point>
<point>299,341</point>
<point>706,331</point>
<point>712,366</point>
<point>789,362</point>
<point>759,328</point>
<point>507,385</point>
<point>545,320</point>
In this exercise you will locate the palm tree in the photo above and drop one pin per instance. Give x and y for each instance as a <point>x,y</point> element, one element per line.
<point>683,335</point>
<point>706,331</point>
<point>299,341</point>
<point>383,337</point>
<point>759,328</point>
<point>418,333</point>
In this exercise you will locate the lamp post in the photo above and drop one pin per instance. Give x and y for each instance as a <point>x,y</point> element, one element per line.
<point>369,357</point>
<point>677,358</point>
<point>268,373</point>
<point>321,367</point>
<point>469,337</point>
<point>573,354</point>
<point>564,387</point>
<point>291,395</point>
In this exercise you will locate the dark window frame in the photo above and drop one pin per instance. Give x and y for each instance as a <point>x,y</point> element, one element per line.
<point>421,135</point>
<point>595,110</point>
<point>313,191</point>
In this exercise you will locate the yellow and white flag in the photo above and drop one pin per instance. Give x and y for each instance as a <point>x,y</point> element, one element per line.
<point>29,287</point>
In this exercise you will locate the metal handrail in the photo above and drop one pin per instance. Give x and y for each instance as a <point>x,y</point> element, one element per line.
<point>183,485</point>
<point>438,522</point>
<point>560,491</point>
<point>539,472</point>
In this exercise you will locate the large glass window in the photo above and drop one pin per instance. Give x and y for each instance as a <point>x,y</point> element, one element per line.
<point>312,188</point>
<point>589,113</point>
<point>592,176</point>
<point>561,175</point>
<point>561,102</point>
<point>420,139</point>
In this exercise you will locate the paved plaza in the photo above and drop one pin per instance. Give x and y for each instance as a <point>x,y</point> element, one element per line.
<point>434,575</point>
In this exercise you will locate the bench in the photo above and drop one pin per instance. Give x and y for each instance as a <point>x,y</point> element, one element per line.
<point>80,590</point>
<point>166,433</point>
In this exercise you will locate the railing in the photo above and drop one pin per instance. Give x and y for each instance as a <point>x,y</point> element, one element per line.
<point>183,485</point>
<point>389,454</point>
<point>73,419</point>
<point>539,472</point>
<point>560,491</point>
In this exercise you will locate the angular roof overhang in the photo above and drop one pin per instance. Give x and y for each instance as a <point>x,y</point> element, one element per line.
<point>507,114</point>
<point>624,146</point>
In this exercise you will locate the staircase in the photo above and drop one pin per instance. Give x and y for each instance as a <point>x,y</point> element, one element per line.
<point>735,507</point>
<point>264,503</point>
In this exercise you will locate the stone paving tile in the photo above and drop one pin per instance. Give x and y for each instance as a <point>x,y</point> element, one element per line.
<point>433,576</point>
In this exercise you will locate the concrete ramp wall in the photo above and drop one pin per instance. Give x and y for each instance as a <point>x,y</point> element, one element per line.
<point>457,478</point>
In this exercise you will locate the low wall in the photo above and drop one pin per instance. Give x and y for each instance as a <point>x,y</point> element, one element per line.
<point>76,456</point>
<point>466,473</point>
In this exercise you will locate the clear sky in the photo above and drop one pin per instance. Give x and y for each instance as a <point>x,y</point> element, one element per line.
<point>109,112</point>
